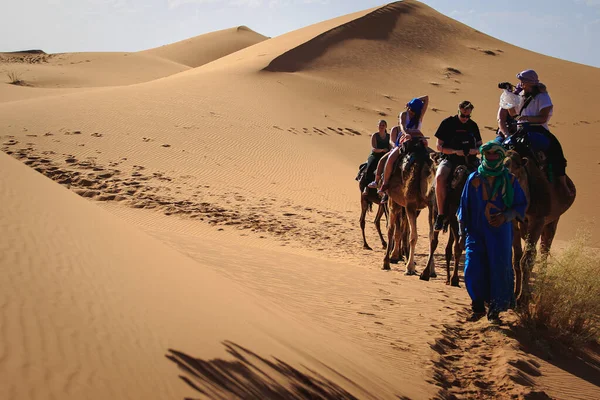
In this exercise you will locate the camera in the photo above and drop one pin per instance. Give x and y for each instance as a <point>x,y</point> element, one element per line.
<point>505,85</point>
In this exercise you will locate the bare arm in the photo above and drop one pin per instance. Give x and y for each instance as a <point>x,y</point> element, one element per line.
<point>502,114</point>
<point>444,150</point>
<point>393,136</point>
<point>425,100</point>
<point>538,119</point>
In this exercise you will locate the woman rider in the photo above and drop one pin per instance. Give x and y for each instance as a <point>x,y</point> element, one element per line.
<point>536,112</point>
<point>410,122</point>
<point>380,145</point>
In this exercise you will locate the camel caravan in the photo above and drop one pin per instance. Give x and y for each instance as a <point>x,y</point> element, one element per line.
<point>495,200</point>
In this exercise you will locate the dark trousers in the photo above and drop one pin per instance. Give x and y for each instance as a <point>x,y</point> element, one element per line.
<point>369,174</point>
<point>554,151</point>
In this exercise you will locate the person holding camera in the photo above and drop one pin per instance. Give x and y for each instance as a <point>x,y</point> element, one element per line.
<point>507,125</point>
<point>532,120</point>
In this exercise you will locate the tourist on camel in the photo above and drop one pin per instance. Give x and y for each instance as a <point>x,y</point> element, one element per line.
<point>458,139</point>
<point>410,123</point>
<point>380,145</point>
<point>491,199</point>
<point>533,118</point>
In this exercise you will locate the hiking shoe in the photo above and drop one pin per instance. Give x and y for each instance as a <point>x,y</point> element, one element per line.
<point>439,223</point>
<point>372,185</point>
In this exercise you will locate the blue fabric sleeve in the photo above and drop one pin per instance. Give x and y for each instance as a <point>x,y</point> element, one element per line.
<point>519,200</point>
<point>463,209</point>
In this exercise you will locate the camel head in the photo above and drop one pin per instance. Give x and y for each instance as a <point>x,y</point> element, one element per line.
<point>461,173</point>
<point>516,165</point>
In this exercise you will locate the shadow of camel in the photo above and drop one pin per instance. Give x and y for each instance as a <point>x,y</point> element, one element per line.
<point>250,376</point>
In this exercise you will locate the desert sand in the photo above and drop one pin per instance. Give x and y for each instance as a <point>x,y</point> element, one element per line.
<point>183,221</point>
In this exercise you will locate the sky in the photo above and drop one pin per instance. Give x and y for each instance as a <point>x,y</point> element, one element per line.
<point>566,29</point>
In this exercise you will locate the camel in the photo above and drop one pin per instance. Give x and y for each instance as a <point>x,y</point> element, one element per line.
<point>454,246</point>
<point>409,188</point>
<point>546,203</point>
<point>366,204</point>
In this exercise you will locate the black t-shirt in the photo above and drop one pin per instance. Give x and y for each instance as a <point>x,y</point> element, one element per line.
<point>457,135</point>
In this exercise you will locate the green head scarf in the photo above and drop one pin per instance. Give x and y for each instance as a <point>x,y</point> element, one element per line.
<point>497,169</point>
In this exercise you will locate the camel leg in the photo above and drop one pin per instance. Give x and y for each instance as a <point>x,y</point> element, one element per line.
<point>380,211</point>
<point>411,214</point>
<point>404,232</point>
<point>364,206</point>
<point>396,255</point>
<point>391,228</point>
<point>547,237</point>
<point>448,256</point>
<point>457,253</point>
<point>429,270</point>
<point>528,260</point>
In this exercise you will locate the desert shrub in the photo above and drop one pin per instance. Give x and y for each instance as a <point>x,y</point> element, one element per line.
<point>14,78</point>
<point>566,296</point>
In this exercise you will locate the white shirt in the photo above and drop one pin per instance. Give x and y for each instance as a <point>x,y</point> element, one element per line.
<point>542,100</point>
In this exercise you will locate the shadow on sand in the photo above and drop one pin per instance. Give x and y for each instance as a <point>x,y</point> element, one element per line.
<point>250,376</point>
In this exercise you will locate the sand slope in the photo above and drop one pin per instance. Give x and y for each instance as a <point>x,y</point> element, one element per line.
<point>203,49</point>
<point>248,161</point>
<point>91,306</point>
<point>311,117</point>
<point>81,70</point>
<point>37,69</point>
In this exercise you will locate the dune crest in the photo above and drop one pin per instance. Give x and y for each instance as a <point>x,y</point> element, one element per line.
<point>208,47</point>
<point>396,27</point>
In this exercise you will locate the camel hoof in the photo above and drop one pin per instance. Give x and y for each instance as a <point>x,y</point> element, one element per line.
<point>410,273</point>
<point>395,260</point>
<point>433,275</point>
<point>455,284</point>
<point>424,278</point>
<point>386,267</point>
<point>384,245</point>
<point>367,247</point>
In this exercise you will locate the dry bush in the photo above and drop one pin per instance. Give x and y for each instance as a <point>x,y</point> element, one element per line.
<point>566,296</point>
<point>14,78</point>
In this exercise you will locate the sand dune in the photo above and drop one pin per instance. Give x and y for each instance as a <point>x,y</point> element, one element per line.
<point>245,164</point>
<point>91,307</point>
<point>36,69</point>
<point>203,49</point>
<point>310,118</point>
<point>83,70</point>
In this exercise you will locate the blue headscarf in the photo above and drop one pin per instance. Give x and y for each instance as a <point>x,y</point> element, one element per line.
<point>416,105</point>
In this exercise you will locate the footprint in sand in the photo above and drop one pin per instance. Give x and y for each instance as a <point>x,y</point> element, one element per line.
<point>96,134</point>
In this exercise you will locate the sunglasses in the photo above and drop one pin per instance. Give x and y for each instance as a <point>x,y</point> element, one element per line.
<point>467,116</point>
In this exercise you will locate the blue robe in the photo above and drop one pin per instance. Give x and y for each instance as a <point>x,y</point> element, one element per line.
<point>489,275</point>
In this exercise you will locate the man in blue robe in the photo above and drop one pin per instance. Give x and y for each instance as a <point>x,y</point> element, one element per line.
<point>492,198</point>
